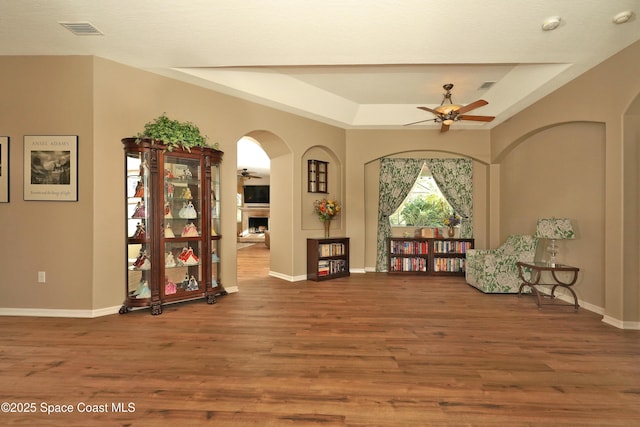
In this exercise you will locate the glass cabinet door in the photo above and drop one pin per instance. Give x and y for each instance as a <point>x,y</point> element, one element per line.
<point>139,206</point>
<point>182,229</point>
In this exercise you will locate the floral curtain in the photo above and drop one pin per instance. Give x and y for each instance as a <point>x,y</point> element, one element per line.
<point>397,177</point>
<point>455,180</point>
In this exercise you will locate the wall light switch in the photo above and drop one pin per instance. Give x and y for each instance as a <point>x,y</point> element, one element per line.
<point>42,277</point>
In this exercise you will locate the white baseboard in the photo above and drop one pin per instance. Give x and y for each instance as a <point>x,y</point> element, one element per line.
<point>287,277</point>
<point>48,312</point>
<point>621,324</point>
<point>107,311</point>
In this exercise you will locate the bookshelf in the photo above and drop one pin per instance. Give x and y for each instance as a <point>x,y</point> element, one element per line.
<point>427,255</point>
<point>327,258</point>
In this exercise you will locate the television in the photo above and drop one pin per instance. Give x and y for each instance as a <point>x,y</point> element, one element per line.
<point>256,194</point>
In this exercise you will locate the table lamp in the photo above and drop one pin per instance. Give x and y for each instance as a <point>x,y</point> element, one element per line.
<point>554,229</point>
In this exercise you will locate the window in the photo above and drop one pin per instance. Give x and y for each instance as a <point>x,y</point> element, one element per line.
<point>424,206</point>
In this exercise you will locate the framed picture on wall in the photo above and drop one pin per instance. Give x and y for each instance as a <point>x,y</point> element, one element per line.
<point>4,169</point>
<point>51,167</point>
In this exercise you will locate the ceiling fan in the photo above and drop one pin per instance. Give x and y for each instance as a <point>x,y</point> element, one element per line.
<point>245,174</point>
<point>449,113</point>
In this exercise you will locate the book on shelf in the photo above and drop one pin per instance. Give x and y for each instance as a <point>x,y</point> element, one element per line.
<point>331,249</point>
<point>451,246</point>
<point>452,265</point>
<point>408,264</point>
<point>409,247</point>
<point>328,267</point>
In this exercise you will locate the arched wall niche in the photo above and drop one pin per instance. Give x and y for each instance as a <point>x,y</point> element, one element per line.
<point>335,186</point>
<point>371,179</point>
<point>559,171</point>
<point>499,156</point>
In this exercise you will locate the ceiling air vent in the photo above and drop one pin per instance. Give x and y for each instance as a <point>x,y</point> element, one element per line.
<point>486,85</point>
<point>81,28</point>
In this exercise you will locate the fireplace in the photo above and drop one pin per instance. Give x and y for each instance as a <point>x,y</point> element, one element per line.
<point>258,224</point>
<point>255,220</point>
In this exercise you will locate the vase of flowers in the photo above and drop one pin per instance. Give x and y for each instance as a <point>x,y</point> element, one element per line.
<point>326,209</point>
<point>452,221</point>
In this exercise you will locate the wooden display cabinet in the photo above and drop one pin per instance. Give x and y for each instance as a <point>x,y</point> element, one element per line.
<point>172,220</point>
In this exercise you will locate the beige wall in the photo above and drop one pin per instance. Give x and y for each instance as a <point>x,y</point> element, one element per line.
<point>50,96</point>
<point>586,133</point>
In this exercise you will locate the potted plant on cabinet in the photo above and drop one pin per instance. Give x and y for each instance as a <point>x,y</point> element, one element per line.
<point>173,134</point>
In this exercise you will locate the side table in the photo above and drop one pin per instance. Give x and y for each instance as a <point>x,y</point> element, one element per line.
<point>537,268</point>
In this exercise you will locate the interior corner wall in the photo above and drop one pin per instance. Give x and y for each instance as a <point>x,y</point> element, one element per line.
<point>546,175</point>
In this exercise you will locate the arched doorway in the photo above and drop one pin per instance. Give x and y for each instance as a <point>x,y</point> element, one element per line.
<point>280,204</point>
<point>253,214</point>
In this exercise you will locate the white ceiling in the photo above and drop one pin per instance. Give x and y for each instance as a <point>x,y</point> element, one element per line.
<point>350,63</point>
<point>253,158</point>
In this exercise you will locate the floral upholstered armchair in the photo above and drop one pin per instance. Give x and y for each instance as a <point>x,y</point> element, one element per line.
<point>495,270</point>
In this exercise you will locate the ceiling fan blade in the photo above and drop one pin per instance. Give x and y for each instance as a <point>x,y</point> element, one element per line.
<point>429,110</point>
<point>245,173</point>
<point>415,123</point>
<point>477,118</point>
<point>444,128</point>
<point>472,106</point>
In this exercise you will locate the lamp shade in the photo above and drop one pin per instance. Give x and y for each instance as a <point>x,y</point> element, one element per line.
<point>554,228</point>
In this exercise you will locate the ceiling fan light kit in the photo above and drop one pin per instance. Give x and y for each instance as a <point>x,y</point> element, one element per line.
<point>449,113</point>
<point>448,109</point>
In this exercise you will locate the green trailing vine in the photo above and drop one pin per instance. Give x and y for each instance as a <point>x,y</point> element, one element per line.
<point>173,133</point>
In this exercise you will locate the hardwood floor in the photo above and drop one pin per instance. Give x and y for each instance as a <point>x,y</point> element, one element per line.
<point>368,350</point>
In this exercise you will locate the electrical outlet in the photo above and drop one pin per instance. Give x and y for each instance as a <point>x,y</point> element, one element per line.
<point>42,277</point>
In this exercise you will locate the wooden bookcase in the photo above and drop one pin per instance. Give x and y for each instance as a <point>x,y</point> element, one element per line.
<point>327,258</point>
<point>427,255</point>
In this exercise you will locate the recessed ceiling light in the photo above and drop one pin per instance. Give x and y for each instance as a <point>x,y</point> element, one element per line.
<point>551,23</point>
<point>623,17</point>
